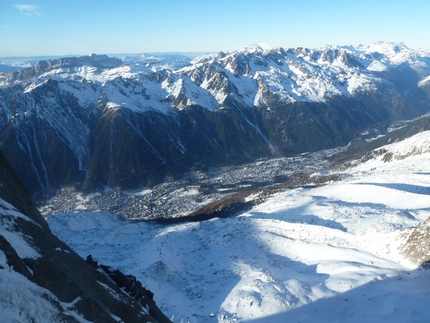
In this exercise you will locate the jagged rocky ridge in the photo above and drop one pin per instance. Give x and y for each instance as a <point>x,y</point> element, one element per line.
<point>43,280</point>
<point>97,121</point>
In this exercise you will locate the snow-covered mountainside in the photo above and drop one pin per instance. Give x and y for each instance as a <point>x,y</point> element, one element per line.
<point>43,280</point>
<point>97,121</point>
<point>7,67</point>
<point>334,253</point>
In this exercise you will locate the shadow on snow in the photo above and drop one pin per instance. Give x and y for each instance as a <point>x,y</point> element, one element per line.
<point>402,298</point>
<point>408,188</point>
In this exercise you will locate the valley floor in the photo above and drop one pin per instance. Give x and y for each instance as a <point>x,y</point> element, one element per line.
<point>325,254</point>
<point>177,198</point>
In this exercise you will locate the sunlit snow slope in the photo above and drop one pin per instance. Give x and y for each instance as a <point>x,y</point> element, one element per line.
<point>326,254</point>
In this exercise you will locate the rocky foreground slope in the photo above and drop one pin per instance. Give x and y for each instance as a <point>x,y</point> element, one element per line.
<point>99,121</point>
<point>43,280</point>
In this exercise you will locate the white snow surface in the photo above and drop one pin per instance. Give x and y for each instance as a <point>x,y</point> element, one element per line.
<point>313,254</point>
<point>424,81</point>
<point>21,300</point>
<point>18,241</point>
<point>253,76</point>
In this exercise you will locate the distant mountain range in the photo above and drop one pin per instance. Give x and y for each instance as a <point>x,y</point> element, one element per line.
<point>97,121</point>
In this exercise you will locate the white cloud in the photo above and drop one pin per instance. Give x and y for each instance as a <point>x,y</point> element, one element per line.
<point>28,9</point>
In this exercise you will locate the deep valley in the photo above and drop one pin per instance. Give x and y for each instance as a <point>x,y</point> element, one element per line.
<point>266,184</point>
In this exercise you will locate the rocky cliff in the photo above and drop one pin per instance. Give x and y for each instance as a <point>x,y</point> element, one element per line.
<point>43,280</point>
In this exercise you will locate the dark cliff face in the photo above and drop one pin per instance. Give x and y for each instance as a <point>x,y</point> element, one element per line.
<point>128,149</point>
<point>13,191</point>
<point>58,272</point>
<point>134,149</point>
<point>71,129</point>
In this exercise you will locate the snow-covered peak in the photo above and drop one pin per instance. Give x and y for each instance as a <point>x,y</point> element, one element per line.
<point>254,76</point>
<point>394,53</point>
<point>204,59</point>
<point>256,48</point>
<point>388,47</point>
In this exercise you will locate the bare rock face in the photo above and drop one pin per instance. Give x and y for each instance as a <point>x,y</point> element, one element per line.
<point>417,247</point>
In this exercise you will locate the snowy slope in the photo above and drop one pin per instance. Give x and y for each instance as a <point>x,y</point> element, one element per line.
<point>247,75</point>
<point>32,289</point>
<point>324,254</point>
<point>22,300</point>
<point>43,280</point>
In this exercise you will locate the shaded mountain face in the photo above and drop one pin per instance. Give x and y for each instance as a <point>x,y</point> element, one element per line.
<point>43,280</point>
<point>96,121</point>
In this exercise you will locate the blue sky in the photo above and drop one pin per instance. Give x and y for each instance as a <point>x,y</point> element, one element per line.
<point>62,27</point>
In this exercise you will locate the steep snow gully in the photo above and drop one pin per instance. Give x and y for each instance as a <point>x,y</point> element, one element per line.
<point>333,253</point>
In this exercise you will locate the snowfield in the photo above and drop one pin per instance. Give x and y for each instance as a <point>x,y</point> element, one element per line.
<point>310,254</point>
